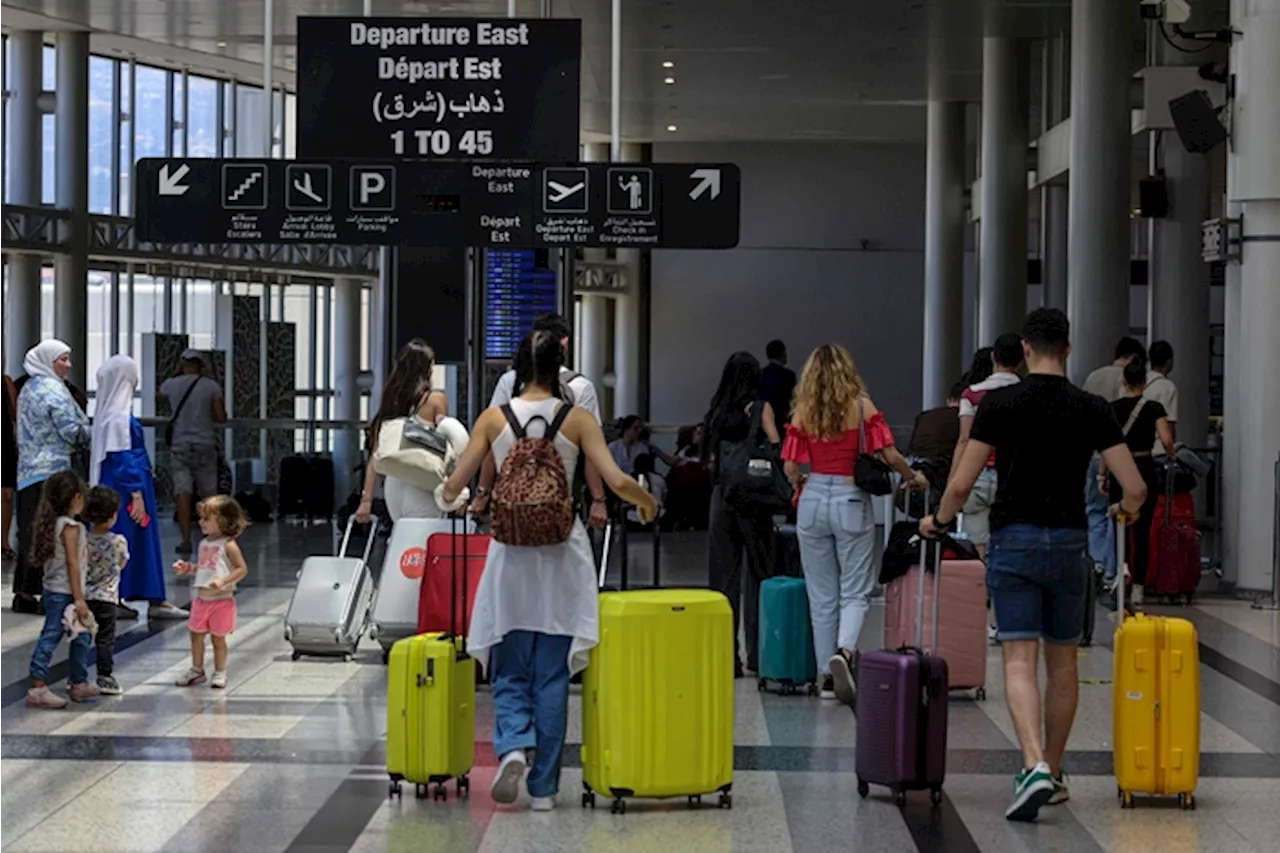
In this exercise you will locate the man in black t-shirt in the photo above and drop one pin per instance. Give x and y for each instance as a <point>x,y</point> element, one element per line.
<point>1044,431</point>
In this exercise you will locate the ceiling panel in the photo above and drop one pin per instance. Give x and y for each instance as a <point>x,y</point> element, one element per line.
<point>743,69</point>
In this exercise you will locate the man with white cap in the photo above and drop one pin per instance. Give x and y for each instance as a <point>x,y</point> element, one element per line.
<point>196,407</point>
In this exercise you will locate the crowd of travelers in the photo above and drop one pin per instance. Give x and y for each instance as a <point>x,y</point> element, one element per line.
<point>1033,468</point>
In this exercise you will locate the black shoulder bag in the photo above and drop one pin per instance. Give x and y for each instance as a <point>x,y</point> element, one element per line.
<point>168,428</point>
<point>870,473</point>
<point>751,473</point>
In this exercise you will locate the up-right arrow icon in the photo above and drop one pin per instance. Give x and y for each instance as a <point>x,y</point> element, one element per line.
<point>708,179</point>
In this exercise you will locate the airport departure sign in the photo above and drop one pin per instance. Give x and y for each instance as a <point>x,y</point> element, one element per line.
<point>455,88</point>
<point>438,203</point>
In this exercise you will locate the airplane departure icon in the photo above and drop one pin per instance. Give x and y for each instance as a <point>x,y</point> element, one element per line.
<point>564,190</point>
<point>559,192</point>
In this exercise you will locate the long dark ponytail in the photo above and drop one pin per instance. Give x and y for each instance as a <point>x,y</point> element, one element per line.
<point>409,382</point>
<point>56,497</point>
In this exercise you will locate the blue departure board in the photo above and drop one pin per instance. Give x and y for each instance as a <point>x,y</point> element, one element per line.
<point>518,289</point>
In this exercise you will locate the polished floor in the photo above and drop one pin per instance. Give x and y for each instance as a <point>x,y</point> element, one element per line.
<point>289,758</point>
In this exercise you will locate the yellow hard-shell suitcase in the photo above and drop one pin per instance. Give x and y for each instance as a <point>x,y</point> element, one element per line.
<point>1156,707</point>
<point>657,702</point>
<point>431,714</point>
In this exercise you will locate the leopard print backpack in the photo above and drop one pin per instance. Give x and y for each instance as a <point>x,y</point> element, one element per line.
<point>531,503</point>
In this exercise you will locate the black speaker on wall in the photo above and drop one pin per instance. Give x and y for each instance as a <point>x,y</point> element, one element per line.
<point>1153,198</point>
<point>1196,121</point>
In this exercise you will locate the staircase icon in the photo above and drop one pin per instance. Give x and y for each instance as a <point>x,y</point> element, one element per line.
<point>244,186</point>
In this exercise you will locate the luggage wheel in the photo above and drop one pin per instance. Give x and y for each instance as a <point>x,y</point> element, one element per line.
<point>1187,802</point>
<point>935,796</point>
<point>588,800</point>
<point>439,792</point>
<point>394,790</point>
<point>813,688</point>
<point>761,685</point>
<point>1126,800</point>
<point>619,806</point>
<point>980,694</point>
<point>420,792</point>
<point>464,787</point>
<point>863,789</point>
<point>386,656</point>
<point>899,798</point>
<point>695,802</point>
<point>726,800</point>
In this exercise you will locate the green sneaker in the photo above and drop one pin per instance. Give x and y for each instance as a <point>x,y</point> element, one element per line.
<point>1031,790</point>
<point>1060,792</point>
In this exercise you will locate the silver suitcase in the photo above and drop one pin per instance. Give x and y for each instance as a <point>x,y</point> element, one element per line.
<point>330,606</point>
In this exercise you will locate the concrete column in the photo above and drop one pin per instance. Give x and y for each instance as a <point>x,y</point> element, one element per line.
<point>1178,298</point>
<point>1055,100</point>
<point>1256,127</point>
<point>71,270</point>
<point>22,308</point>
<point>1098,207</point>
<point>944,226</point>
<point>593,336</point>
<point>626,322</point>
<point>1002,246</point>
<point>346,388</point>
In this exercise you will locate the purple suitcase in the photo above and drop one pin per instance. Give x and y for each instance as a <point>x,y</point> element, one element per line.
<point>902,712</point>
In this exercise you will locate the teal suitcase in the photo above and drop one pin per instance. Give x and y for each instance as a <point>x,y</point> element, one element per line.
<point>786,637</point>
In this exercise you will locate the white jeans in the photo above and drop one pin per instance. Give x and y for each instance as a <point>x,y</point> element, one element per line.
<point>836,529</point>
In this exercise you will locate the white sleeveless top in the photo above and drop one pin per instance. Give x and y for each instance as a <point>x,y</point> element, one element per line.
<point>550,589</point>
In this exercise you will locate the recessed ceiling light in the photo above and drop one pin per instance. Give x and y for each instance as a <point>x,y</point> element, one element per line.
<point>222,44</point>
<point>671,128</point>
<point>669,80</point>
<point>668,64</point>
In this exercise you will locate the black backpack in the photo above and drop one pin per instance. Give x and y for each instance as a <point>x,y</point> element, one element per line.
<point>750,472</point>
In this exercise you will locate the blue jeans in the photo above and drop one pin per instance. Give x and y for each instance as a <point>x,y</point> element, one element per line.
<point>81,647</point>
<point>530,683</point>
<point>1036,577</point>
<point>836,529</point>
<point>1102,531</point>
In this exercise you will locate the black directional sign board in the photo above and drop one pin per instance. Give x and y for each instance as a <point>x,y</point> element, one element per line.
<point>439,204</point>
<point>458,88</point>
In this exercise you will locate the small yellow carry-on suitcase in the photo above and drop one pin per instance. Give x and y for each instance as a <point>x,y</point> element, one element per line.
<point>431,711</point>
<point>1156,704</point>
<point>657,698</point>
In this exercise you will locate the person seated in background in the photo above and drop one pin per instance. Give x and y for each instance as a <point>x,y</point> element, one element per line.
<point>690,484</point>
<point>654,485</point>
<point>689,442</point>
<point>633,442</point>
<point>937,430</point>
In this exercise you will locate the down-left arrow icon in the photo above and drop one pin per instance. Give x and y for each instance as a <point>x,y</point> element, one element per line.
<point>171,184</point>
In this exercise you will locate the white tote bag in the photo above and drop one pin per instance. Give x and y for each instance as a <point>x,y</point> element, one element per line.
<point>416,452</point>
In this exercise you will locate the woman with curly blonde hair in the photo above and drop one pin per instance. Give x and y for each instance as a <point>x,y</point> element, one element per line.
<point>832,423</point>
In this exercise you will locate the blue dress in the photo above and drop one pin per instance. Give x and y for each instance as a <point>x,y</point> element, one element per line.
<point>129,471</point>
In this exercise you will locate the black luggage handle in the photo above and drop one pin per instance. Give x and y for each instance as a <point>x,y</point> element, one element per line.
<point>453,582</point>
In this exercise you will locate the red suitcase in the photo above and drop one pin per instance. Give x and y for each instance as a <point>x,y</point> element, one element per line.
<point>435,593</point>
<point>1174,568</point>
<point>902,712</point>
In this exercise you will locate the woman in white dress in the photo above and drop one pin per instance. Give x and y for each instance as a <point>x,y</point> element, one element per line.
<point>408,391</point>
<point>536,615</point>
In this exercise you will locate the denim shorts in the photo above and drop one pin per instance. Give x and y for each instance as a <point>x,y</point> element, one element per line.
<point>1036,577</point>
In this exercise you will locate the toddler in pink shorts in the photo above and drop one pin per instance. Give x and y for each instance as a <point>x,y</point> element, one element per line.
<point>218,568</point>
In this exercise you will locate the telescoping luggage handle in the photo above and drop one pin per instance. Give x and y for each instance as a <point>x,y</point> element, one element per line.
<point>1122,570</point>
<point>937,586</point>
<point>453,581</point>
<point>352,589</point>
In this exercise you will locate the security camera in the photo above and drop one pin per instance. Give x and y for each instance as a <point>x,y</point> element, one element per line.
<point>1166,11</point>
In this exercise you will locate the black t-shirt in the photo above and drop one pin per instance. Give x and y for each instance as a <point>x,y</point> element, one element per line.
<point>1044,431</point>
<point>1141,437</point>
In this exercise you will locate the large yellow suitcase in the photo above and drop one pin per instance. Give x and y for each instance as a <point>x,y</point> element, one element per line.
<point>431,715</point>
<point>1156,708</point>
<point>657,706</point>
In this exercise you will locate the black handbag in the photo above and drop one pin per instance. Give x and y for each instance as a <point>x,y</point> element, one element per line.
<point>870,473</point>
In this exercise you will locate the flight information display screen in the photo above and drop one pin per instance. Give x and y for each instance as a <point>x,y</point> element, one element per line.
<point>519,286</point>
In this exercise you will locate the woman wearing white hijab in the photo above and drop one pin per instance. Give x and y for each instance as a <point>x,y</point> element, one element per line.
<point>51,428</point>
<point>119,461</point>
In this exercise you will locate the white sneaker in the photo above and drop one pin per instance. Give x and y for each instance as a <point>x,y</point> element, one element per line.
<point>542,804</point>
<point>842,679</point>
<point>506,782</point>
<point>165,610</point>
<point>219,680</point>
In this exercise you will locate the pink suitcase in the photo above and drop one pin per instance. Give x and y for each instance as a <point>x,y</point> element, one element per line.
<point>962,617</point>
